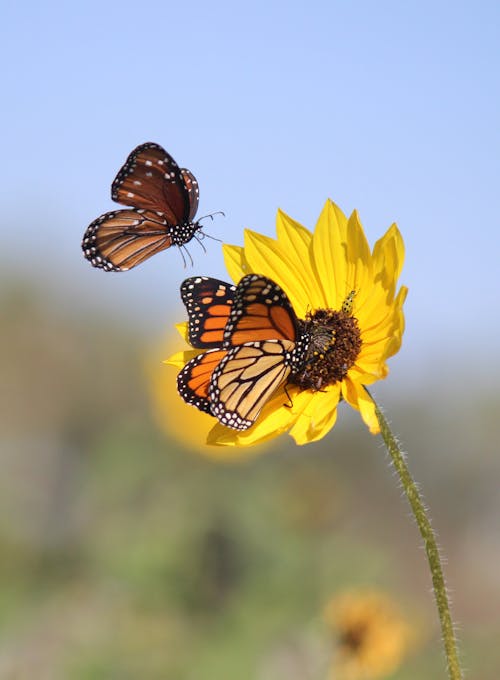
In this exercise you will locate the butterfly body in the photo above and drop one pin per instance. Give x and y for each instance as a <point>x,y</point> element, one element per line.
<point>163,199</point>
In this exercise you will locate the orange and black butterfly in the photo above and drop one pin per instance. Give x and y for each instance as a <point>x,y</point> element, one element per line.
<point>262,345</point>
<point>163,199</point>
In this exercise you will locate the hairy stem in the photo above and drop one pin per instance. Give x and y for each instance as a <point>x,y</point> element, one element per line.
<point>417,506</point>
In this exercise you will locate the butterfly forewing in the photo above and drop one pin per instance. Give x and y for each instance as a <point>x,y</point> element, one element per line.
<point>119,240</point>
<point>194,379</point>
<point>246,378</point>
<point>261,311</point>
<point>150,179</point>
<point>208,303</point>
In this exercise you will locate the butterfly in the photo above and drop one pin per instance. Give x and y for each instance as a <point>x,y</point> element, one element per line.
<point>163,199</point>
<point>254,343</point>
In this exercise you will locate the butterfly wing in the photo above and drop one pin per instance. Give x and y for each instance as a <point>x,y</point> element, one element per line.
<point>150,179</point>
<point>261,311</point>
<point>120,240</point>
<point>191,184</point>
<point>208,303</point>
<point>246,378</point>
<point>194,379</point>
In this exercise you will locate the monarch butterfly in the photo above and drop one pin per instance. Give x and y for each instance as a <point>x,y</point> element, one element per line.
<point>163,199</point>
<point>262,345</point>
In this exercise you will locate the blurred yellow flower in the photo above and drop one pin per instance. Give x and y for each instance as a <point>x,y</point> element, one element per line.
<point>344,291</point>
<point>188,426</point>
<point>371,636</point>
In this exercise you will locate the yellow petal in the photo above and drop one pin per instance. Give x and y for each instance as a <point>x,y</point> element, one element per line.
<point>386,331</point>
<point>235,261</point>
<point>329,246</point>
<point>224,444</point>
<point>388,258</point>
<point>357,397</point>
<point>366,376</point>
<point>274,419</point>
<point>182,329</point>
<point>317,417</point>
<point>179,359</point>
<point>303,411</point>
<point>323,428</point>
<point>367,410</point>
<point>399,319</point>
<point>371,350</point>
<point>358,263</point>
<point>294,238</point>
<point>266,256</point>
<point>375,308</point>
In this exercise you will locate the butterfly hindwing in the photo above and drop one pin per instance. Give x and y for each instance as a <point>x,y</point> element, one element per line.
<point>193,191</point>
<point>246,378</point>
<point>194,379</point>
<point>119,240</point>
<point>208,303</point>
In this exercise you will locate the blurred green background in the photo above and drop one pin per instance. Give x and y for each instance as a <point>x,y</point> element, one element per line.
<point>124,555</point>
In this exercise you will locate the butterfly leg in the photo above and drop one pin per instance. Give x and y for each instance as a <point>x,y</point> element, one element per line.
<point>290,405</point>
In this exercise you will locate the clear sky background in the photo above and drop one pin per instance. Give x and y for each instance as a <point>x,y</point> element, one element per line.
<point>392,108</point>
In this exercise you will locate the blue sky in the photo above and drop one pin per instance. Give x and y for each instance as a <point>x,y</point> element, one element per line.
<point>392,108</point>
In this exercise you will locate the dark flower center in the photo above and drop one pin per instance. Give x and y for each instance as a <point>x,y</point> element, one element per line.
<point>354,636</point>
<point>333,347</point>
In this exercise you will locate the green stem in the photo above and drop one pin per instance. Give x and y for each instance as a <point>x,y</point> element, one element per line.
<point>415,500</point>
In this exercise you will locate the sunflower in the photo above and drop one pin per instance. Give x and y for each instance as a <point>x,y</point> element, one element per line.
<point>343,291</point>
<point>372,638</point>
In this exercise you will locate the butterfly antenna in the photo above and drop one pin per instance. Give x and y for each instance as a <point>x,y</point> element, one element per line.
<point>205,235</point>
<point>219,212</point>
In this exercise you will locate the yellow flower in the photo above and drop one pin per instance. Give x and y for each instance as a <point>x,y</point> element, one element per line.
<point>371,636</point>
<point>331,275</point>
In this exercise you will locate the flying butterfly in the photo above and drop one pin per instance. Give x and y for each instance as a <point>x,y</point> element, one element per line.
<point>163,199</point>
<point>262,344</point>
